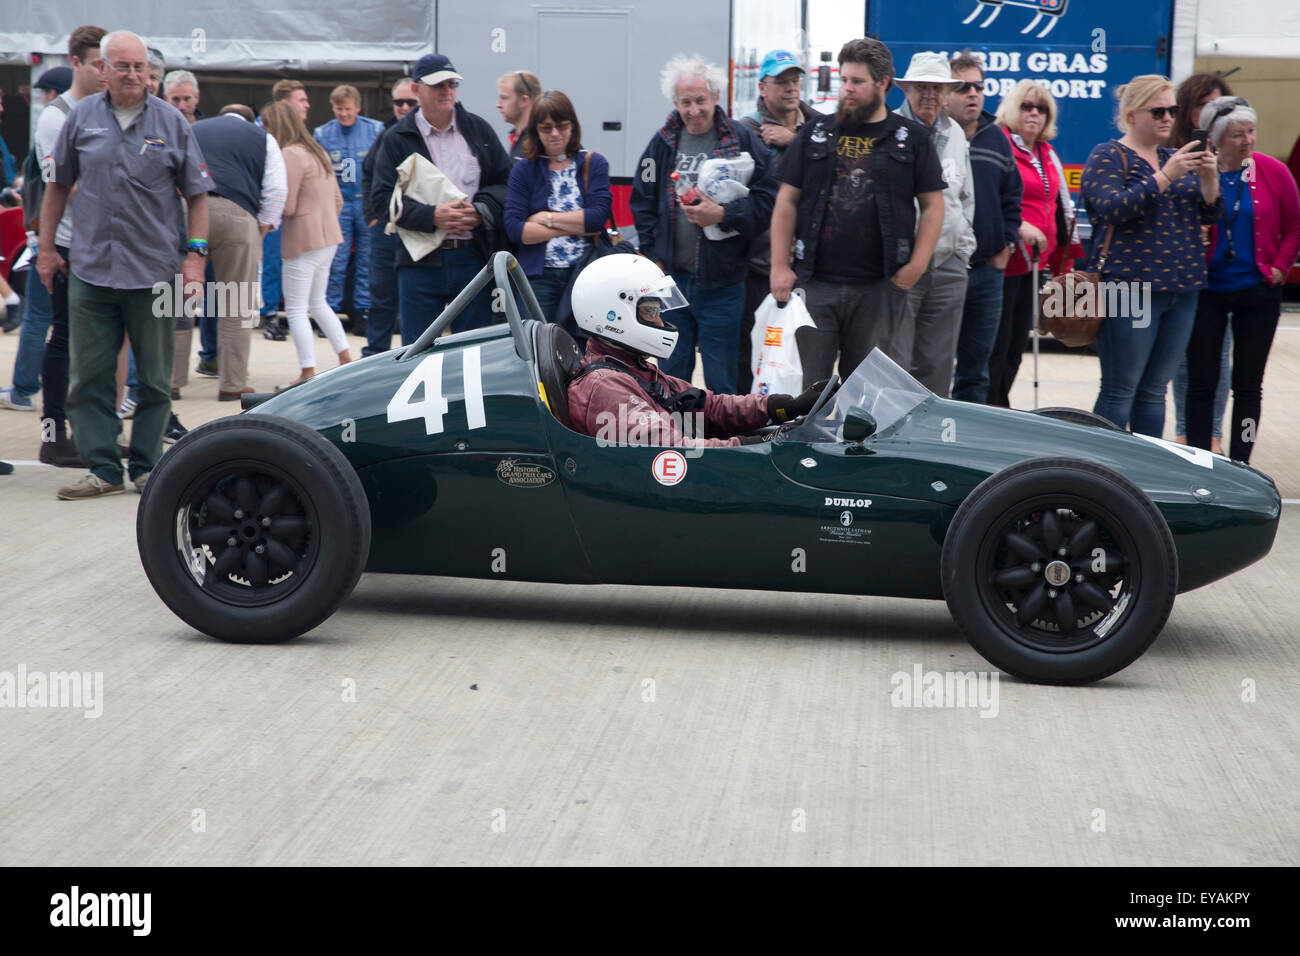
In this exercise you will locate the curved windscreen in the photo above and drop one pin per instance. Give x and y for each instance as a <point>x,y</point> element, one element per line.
<point>877,386</point>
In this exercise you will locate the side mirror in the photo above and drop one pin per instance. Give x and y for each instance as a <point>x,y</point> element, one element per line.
<point>858,424</point>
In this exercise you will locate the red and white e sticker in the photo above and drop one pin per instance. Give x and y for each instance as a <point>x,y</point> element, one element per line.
<point>669,467</point>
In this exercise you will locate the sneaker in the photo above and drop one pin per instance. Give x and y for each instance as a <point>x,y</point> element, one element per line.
<point>127,408</point>
<point>208,367</point>
<point>274,329</point>
<point>92,486</point>
<point>11,399</point>
<point>175,430</point>
<point>139,481</point>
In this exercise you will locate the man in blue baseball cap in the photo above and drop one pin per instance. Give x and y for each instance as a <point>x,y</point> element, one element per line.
<point>779,115</point>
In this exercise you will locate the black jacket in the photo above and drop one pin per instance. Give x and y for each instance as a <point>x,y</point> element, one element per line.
<point>368,208</point>
<point>892,169</point>
<point>654,203</point>
<point>402,139</point>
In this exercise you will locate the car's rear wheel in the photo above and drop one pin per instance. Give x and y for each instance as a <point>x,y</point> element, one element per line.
<point>1059,571</point>
<point>1077,416</point>
<point>253,529</point>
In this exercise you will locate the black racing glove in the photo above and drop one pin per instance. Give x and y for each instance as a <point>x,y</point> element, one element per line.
<point>784,408</point>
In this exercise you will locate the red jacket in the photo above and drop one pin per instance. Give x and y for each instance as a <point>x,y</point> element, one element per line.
<point>619,407</point>
<point>1275,202</point>
<point>1038,207</point>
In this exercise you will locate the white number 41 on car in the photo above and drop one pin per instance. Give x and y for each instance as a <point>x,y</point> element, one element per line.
<point>433,405</point>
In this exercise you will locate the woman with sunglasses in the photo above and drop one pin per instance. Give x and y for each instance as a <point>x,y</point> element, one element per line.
<point>558,195</point>
<point>1253,243</point>
<point>1155,199</point>
<point>1027,116</point>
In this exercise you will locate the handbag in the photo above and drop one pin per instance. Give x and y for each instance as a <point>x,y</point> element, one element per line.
<point>607,241</point>
<point>1071,307</point>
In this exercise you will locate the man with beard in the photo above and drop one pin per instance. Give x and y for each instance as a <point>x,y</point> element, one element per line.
<point>846,212</point>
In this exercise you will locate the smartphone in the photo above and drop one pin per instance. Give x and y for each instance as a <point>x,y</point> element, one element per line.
<point>1200,136</point>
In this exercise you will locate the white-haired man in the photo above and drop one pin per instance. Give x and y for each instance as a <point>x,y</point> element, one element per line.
<point>128,154</point>
<point>181,90</point>
<point>710,272</point>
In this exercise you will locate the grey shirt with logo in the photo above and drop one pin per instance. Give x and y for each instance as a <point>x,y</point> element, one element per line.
<point>127,213</point>
<point>692,151</point>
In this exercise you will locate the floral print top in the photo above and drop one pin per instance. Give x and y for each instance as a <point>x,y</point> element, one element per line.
<point>563,252</point>
<point>1157,235</point>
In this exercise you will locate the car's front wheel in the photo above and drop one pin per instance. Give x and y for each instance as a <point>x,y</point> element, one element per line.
<point>253,529</point>
<point>1059,571</point>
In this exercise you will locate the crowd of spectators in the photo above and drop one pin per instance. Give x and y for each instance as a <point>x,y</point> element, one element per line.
<point>919,230</point>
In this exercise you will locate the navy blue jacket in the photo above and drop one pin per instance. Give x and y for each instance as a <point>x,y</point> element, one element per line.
<point>403,139</point>
<point>998,190</point>
<point>654,203</point>
<point>529,191</point>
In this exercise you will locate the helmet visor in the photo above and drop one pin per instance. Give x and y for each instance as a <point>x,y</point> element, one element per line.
<point>665,290</point>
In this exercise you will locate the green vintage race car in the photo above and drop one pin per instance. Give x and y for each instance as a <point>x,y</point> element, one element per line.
<point>1057,540</point>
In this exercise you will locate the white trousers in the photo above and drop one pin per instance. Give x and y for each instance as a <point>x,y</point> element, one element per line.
<point>303,279</point>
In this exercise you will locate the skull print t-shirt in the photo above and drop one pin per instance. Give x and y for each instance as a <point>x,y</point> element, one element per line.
<point>849,248</point>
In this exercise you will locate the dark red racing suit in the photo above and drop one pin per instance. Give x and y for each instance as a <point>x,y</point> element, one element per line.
<point>624,405</point>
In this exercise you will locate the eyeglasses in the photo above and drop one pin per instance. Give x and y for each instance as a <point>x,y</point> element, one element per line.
<point>1160,112</point>
<point>967,87</point>
<point>548,129</point>
<point>141,68</point>
<point>1034,108</point>
<point>444,85</point>
<point>403,102</point>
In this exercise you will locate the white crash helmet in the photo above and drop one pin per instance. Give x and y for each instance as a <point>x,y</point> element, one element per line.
<point>605,299</point>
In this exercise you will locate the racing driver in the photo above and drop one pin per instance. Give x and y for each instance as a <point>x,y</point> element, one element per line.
<point>618,300</point>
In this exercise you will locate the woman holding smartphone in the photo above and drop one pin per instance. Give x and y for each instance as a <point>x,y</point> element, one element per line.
<point>1156,199</point>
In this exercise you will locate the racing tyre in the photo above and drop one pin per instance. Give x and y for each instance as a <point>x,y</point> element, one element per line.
<point>1077,416</point>
<point>1059,571</point>
<point>253,529</point>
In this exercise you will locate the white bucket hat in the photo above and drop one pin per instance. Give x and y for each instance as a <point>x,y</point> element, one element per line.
<point>927,67</point>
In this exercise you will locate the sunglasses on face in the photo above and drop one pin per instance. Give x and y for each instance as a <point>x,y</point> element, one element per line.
<point>1033,108</point>
<point>967,87</point>
<point>557,128</point>
<point>1160,112</point>
<point>410,103</point>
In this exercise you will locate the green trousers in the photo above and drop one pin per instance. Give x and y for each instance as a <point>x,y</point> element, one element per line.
<point>97,318</point>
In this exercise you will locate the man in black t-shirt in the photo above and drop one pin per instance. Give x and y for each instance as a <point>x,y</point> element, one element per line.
<point>846,213</point>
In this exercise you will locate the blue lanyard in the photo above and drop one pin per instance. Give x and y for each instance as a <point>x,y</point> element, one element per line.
<point>1231,252</point>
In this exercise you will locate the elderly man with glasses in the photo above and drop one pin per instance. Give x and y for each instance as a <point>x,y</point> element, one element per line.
<point>128,154</point>
<point>465,148</point>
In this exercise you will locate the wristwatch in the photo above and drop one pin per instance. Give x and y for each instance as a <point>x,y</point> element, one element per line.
<point>199,246</point>
<point>550,220</point>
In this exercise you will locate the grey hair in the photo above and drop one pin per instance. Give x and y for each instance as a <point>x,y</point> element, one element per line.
<point>118,35</point>
<point>177,77</point>
<point>1240,114</point>
<point>683,67</point>
<point>155,59</point>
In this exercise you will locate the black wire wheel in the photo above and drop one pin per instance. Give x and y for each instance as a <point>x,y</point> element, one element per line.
<point>1059,571</point>
<point>253,529</point>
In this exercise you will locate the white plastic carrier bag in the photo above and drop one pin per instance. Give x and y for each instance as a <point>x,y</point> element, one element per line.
<point>724,180</point>
<point>774,354</point>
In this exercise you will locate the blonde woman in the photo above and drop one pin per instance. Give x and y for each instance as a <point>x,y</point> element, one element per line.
<point>1157,199</point>
<point>1028,116</point>
<point>310,236</point>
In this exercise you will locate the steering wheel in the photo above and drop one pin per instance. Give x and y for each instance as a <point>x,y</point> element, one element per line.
<point>832,386</point>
